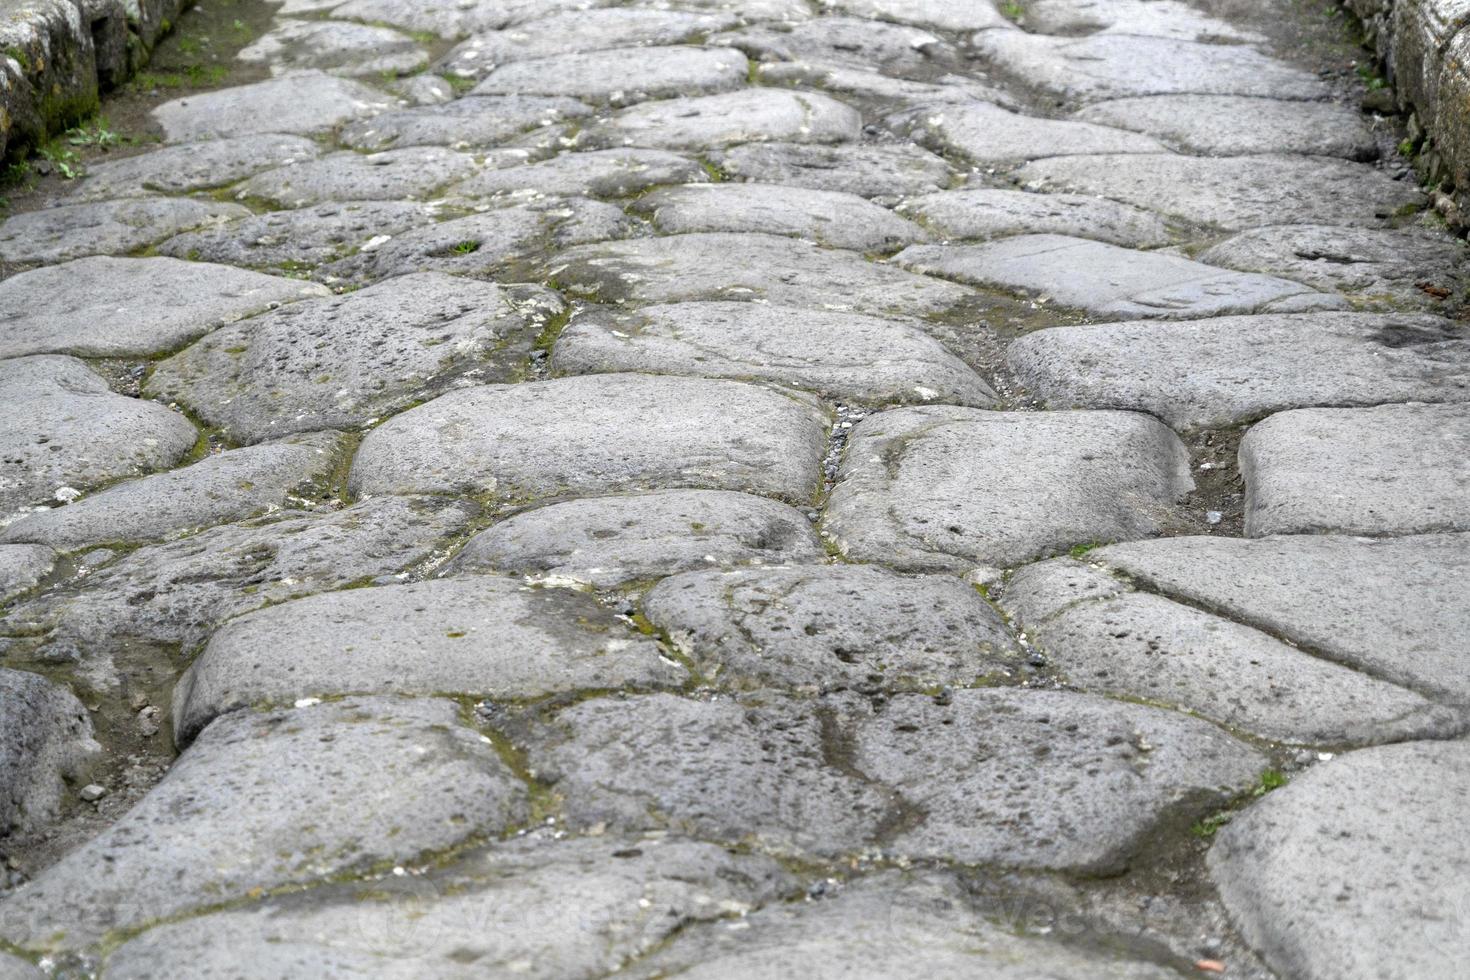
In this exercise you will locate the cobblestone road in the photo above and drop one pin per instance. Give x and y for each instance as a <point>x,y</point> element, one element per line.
<point>741,488</point>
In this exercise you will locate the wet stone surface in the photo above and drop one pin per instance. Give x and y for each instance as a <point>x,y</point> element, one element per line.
<point>727,488</point>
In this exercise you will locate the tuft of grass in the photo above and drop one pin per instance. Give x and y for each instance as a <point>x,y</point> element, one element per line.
<point>1269,780</point>
<point>466,248</point>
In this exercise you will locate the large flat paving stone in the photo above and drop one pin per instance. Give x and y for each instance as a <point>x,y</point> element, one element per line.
<point>838,355</point>
<point>1110,281</point>
<point>712,121</point>
<point>188,167</point>
<point>722,266</point>
<point>303,103</point>
<point>723,770</point>
<point>830,218</point>
<point>174,595</point>
<point>484,635</point>
<point>1046,779</point>
<point>1107,638</point>
<point>1391,469</point>
<point>71,231</point>
<point>106,307</point>
<point>878,170</point>
<point>1397,269</point>
<point>1396,608</point>
<point>1111,66</point>
<point>597,173</point>
<point>456,18</point>
<point>529,907</point>
<point>63,430</point>
<point>219,489</point>
<point>944,15</point>
<point>338,47</point>
<point>874,46</point>
<point>45,740</point>
<point>884,924</point>
<point>986,134</point>
<point>1231,125</point>
<point>265,800</point>
<point>343,361</point>
<point>621,76</point>
<point>606,542</point>
<point>1145,18</point>
<point>472,122</point>
<point>882,92</point>
<point>481,245</point>
<point>599,434</point>
<point>576,31</point>
<point>1327,880</point>
<point>942,488</point>
<point>1215,373</point>
<point>16,968</point>
<point>411,173</point>
<point>23,567</point>
<point>987,213</point>
<point>827,627</point>
<point>1233,193</point>
<point>293,241</point>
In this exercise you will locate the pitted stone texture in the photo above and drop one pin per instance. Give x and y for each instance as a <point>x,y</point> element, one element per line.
<point>337,47</point>
<point>262,801</point>
<point>601,173</point>
<point>1227,125</point>
<point>946,488</point>
<point>455,18</point>
<point>1317,875</point>
<point>1397,608</point>
<point>987,134</point>
<point>23,567</point>
<point>1046,779</point>
<point>1392,469</point>
<point>793,11</point>
<point>724,770</point>
<point>886,924</point>
<point>1418,268</point>
<point>828,627</point>
<point>406,174</point>
<point>1148,647</point>
<point>878,170</point>
<point>839,355</point>
<point>303,103</point>
<point>846,41</point>
<point>1109,281</point>
<point>71,231</point>
<point>310,237</point>
<point>191,166</point>
<point>1233,193</point>
<point>230,486</point>
<point>945,15</point>
<point>712,121</point>
<point>45,739</point>
<point>881,91</point>
<point>1147,18</point>
<point>481,245</point>
<point>621,76</point>
<point>577,31</point>
<point>686,268</point>
<point>346,360</point>
<point>62,429</point>
<point>606,542</point>
<point>484,636</point>
<point>15,968</point>
<point>1216,373</point>
<point>106,307</point>
<point>480,121</point>
<point>984,213</point>
<point>176,594</point>
<point>1111,66</point>
<point>599,434</point>
<point>826,217</point>
<point>547,910</point>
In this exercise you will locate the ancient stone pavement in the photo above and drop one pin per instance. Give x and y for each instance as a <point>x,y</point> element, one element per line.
<point>741,488</point>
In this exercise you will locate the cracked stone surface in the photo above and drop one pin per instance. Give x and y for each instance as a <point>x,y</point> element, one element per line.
<point>843,355</point>
<point>725,488</point>
<point>945,488</point>
<point>605,542</point>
